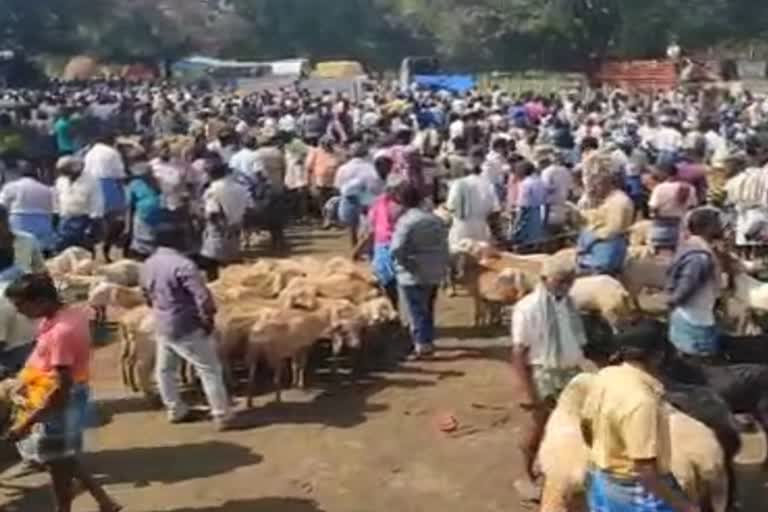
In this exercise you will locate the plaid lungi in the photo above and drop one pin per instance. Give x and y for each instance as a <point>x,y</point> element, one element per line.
<point>607,493</point>
<point>60,434</point>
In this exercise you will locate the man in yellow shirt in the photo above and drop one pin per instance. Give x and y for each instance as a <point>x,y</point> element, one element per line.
<point>625,423</point>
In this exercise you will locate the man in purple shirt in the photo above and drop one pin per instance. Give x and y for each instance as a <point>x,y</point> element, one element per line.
<point>184,312</point>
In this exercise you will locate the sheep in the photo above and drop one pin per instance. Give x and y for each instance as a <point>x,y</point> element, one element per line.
<point>263,283</point>
<point>639,233</point>
<point>750,299</point>
<point>697,460</point>
<point>491,290</point>
<point>642,270</point>
<point>105,294</point>
<point>277,335</point>
<point>123,272</point>
<point>334,286</point>
<point>137,353</point>
<point>345,266</point>
<point>604,295</point>
<point>64,263</point>
<point>231,334</point>
<point>378,311</point>
<point>286,334</point>
<point>300,293</point>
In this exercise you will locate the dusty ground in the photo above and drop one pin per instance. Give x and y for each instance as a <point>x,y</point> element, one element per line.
<point>367,446</point>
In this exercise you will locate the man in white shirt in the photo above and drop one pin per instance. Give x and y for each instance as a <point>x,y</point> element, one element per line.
<point>104,164</point>
<point>29,204</point>
<point>547,339</point>
<point>472,202</point>
<point>28,256</point>
<point>668,139</point>
<point>247,161</point>
<point>170,177</point>
<point>358,184</point>
<point>496,167</point>
<point>79,204</point>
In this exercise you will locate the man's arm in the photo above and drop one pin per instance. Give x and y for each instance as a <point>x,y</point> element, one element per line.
<point>521,368</point>
<point>397,245</point>
<point>191,278</point>
<point>56,399</point>
<point>692,275</point>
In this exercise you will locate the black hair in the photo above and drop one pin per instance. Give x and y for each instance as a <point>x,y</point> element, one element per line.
<point>499,144</point>
<point>32,287</point>
<point>641,341</point>
<point>411,197</point>
<point>525,168</point>
<point>704,220</point>
<point>590,143</point>
<point>7,257</point>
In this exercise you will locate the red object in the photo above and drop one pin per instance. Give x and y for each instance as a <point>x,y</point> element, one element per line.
<point>447,423</point>
<point>638,75</point>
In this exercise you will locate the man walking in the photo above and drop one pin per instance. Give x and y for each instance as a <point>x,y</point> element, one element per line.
<point>184,312</point>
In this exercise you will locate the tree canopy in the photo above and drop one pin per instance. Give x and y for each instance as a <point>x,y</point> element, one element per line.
<point>489,34</point>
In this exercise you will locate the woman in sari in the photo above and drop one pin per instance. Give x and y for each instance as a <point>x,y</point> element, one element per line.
<point>603,243</point>
<point>54,392</point>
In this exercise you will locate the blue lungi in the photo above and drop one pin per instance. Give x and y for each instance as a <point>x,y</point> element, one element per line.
<point>665,233</point>
<point>113,191</point>
<point>350,210</point>
<point>690,339</point>
<point>60,434</point>
<point>606,493</point>
<point>528,227</point>
<point>38,224</point>
<point>383,265</point>
<point>75,232</point>
<point>601,256</point>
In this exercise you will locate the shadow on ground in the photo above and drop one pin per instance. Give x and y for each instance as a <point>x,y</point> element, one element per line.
<point>343,404</point>
<point>134,466</point>
<point>260,505</point>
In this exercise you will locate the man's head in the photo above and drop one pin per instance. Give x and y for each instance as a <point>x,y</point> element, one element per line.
<point>383,163</point>
<point>358,150</point>
<point>558,275</point>
<point>70,166</point>
<point>411,196</point>
<point>34,295</point>
<point>477,157</point>
<point>644,342</point>
<point>171,235</point>
<point>706,223</point>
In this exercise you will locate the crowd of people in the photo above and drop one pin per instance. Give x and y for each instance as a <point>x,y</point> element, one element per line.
<point>186,179</point>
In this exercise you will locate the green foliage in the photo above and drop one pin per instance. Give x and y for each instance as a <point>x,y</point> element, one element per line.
<point>479,34</point>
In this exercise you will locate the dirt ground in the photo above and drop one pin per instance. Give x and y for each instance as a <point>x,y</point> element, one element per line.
<point>342,446</point>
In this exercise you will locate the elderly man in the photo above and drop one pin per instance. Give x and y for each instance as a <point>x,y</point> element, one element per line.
<point>78,201</point>
<point>547,339</point>
<point>626,425</point>
<point>603,242</point>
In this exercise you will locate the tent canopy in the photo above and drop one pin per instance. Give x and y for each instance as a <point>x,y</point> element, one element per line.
<point>454,83</point>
